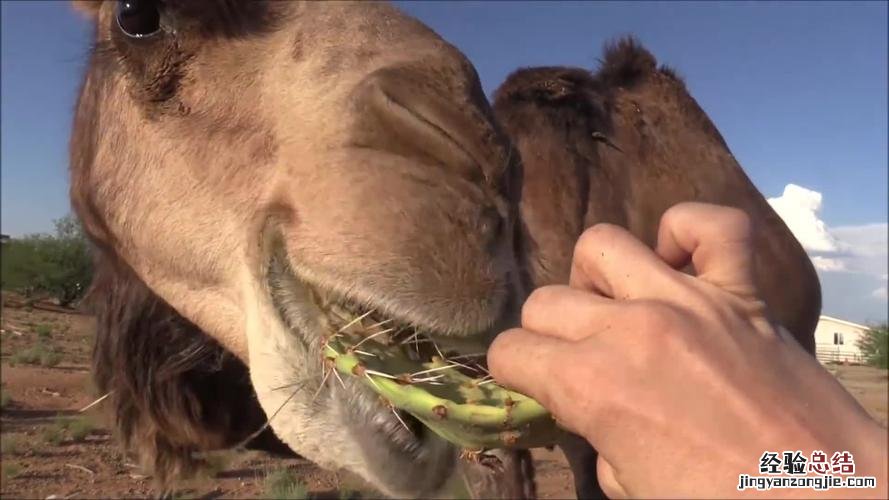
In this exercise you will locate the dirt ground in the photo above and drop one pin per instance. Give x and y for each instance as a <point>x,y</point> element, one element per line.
<point>51,450</point>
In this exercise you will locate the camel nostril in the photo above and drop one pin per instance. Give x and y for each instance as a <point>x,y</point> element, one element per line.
<point>402,114</point>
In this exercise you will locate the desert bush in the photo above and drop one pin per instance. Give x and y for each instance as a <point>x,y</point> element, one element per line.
<point>80,428</point>
<point>11,470</point>
<point>283,484</point>
<point>39,354</point>
<point>55,433</point>
<point>21,265</point>
<point>5,399</point>
<point>59,265</point>
<point>29,356</point>
<point>874,345</point>
<point>43,331</point>
<point>10,444</point>
<point>50,358</point>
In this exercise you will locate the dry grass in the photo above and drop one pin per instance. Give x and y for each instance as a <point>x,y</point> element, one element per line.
<point>76,429</point>
<point>284,484</point>
<point>54,434</point>
<point>216,462</point>
<point>80,428</point>
<point>39,354</point>
<point>10,444</point>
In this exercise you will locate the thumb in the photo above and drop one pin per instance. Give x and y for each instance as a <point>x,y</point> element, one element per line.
<point>716,239</point>
<point>608,479</point>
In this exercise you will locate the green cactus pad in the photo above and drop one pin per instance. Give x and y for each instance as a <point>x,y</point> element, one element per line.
<point>470,411</point>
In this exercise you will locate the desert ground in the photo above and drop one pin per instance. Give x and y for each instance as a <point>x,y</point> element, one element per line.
<point>52,450</point>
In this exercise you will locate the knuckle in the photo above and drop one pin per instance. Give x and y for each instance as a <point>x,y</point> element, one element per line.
<point>672,213</point>
<point>592,239</point>
<point>537,303</point>
<point>737,220</point>
<point>499,350</point>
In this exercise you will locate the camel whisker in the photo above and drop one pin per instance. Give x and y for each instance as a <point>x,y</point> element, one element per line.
<point>268,422</point>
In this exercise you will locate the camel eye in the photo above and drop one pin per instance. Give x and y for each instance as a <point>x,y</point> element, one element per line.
<point>139,18</point>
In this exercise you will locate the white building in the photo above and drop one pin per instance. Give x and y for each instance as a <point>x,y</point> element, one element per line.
<point>836,340</point>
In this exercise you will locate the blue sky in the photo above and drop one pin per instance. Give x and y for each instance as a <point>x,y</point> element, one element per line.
<point>798,89</point>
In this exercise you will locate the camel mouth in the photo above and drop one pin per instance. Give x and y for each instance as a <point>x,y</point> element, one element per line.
<point>315,315</point>
<point>409,396</point>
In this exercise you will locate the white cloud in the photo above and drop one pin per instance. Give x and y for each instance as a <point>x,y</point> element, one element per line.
<point>827,264</point>
<point>799,208</point>
<point>851,260</point>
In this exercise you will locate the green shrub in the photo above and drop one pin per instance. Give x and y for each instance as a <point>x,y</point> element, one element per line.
<point>50,358</point>
<point>11,470</point>
<point>10,444</point>
<point>5,399</point>
<point>39,354</point>
<point>874,345</point>
<point>59,265</point>
<point>55,433</point>
<point>29,356</point>
<point>80,428</point>
<point>44,332</point>
<point>283,484</point>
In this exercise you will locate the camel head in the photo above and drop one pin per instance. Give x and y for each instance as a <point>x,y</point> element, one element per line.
<point>631,141</point>
<point>273,170</point>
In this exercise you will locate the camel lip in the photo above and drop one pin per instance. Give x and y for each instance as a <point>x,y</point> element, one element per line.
<point>336,313</point>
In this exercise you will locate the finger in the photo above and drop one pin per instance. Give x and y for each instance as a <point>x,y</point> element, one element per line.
<point>608,480</point>
<point>611,261</point>
<point>567,313</point>
<point>524,361</point>
<point>716,240</point>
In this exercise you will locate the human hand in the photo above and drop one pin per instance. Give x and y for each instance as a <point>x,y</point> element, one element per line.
<point>680,382</point>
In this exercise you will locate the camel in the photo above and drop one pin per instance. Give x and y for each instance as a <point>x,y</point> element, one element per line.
<point>634,128</point>
<point>236,164</point>
<point>622,146</point>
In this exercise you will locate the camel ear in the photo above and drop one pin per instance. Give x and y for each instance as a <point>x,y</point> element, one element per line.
<point>87,8</point>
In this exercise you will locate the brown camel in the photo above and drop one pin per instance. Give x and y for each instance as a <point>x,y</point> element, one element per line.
<point>235,163</point>
<point>622,146</point>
